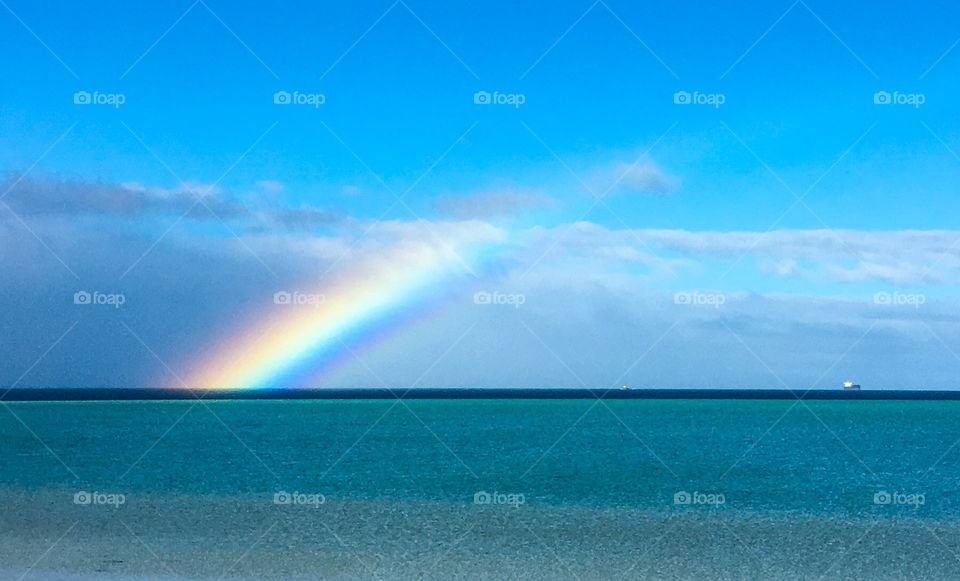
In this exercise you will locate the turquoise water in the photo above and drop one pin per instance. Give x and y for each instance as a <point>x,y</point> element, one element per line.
<point>406,474</point>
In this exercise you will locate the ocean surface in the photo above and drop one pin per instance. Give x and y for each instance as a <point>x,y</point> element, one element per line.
<point>480,489</point>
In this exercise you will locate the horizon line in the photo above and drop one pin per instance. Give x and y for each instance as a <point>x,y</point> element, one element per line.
<point>52,394</point>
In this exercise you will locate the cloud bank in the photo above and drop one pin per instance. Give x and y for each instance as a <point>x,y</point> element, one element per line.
<point>600,304</point>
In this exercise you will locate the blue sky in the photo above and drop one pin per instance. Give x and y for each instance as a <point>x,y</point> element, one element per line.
<point>797,80</point>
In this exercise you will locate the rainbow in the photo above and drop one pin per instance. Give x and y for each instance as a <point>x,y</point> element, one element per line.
<point>294,344</point>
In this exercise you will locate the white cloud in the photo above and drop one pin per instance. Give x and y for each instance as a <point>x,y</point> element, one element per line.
<point>63,196</point>
<point>272,186</point>
<point>844,256</point>
<point>591,299</point>
<point>641,176</point>
<point>496,203</point>
<point>599,297</point>
<point>135,202</point>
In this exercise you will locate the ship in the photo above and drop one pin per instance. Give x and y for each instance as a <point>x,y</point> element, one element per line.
<point>851,386</point>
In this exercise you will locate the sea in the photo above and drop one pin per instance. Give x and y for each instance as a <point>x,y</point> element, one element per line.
<point>480,489</point>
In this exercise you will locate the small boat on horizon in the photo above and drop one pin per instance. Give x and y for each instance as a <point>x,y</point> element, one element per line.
<point>851,386</point>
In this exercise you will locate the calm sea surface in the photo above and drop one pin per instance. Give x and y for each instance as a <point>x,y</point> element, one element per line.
<point>481,489</point>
